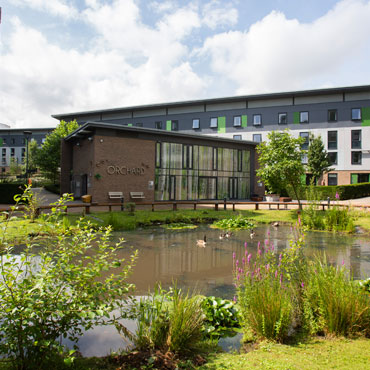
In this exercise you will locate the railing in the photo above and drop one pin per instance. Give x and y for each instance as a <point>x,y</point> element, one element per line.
<point>86,207</point>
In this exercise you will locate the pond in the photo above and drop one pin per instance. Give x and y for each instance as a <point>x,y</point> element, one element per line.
<point>167,255</point>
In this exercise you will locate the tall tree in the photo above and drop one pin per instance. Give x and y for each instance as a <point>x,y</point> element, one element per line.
<point>48,156</point>
<point>280,159</point>
<point>318,159</point>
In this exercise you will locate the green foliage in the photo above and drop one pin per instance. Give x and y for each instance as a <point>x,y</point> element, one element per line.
<point>179,226</point>
<point>15,168</point>
<point>32,154</point>
<point>167,320</point>
<point>333,303</point>
<point>280,162</point>
<point>365,285</point>
<point>222,317</point>
<point>47,158</point>
<point>130,206</point>
<point>114,221</point>
<point>235,223</point>
<point>318,160</point>
<point>56,287</point>
<point>53,188</point>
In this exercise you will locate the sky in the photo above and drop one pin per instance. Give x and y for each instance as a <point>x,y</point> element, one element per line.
<point>62,56</point>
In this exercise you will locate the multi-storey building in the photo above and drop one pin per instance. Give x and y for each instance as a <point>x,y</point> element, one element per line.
<point>341,116</point>
<point>13,144</point>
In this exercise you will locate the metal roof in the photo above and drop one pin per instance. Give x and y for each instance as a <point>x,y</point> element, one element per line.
<point>278,95</point>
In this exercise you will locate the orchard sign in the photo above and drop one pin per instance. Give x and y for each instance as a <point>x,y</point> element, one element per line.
<point>125,170</point>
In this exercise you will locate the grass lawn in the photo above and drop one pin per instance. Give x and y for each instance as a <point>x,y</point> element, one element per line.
<point>317,354</point>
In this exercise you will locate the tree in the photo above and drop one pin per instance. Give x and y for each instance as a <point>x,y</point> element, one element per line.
<point>48,156</point>
<point>318,159</point>
<point>280,159</point>
<point>33,150</point>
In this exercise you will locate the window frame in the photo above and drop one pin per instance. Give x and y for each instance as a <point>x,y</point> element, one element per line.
<point>300,117</point>
<point>240,121</point>
<point>335,111</point>
<point>336,158</point>
<point>158,125</point>
<point>254,119</point>
<point>196,120</point>
<point>360,114</point>
<point>330,143</point>
<point>333,176</point>
<point>211,122</point>
<point>255,141</point>
<point>353,153</point>
<point>174,125</point>
<point>237,137</point>
<point>307,142</point>
<point>359,145</point>
<point>282,114</point>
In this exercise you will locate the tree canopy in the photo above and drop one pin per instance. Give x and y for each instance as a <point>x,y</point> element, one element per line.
<point>280,159</point>
<point>318,159</point>
<point>47,157</point>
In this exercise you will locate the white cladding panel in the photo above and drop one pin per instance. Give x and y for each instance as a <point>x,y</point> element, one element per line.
<point>269,102</point>
<point>150,112</point>
<point>117,115</point>
<point>318,99</point>
<point>357,96</point>
<point>226,106</point>
<point>187,109</point>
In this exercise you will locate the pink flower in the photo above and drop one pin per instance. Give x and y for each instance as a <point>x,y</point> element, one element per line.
<point>259,252</point>
<point>238,277</point>
<point>237,263</point>
<point>343,262</point>
<point>243,260</point>
<point>234,299</point>
<point>249,258</point>
<point>302,284</point>
<point>268,267</point>
<point>337,196</point>
<point>280,257</point>
<point>281,278</point>
<point>276,273</point>
<point>234,255</point>
<point>245,245</point>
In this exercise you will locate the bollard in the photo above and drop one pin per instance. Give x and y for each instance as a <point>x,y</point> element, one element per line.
<point>122,204</point>
<point>225,204</point>
<point>328,202</point>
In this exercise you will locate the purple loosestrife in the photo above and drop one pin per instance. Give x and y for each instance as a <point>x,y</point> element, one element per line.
<point>249,258</point>
<point>337,196</point>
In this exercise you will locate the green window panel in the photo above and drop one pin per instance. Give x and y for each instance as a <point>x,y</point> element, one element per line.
<point>168,125</point>
<point>1,142</point>
<point>354,178</point>
<point>296,117</point>
<point>221,123</point>
<point>365,116</point>
<point>244,121</point>
<point>129,124</point>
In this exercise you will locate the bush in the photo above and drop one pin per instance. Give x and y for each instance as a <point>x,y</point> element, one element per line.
<point>58,291</point>
<point>235,223</point>
<point>333,303</point>
<point>53,188</point>
<point>9,190</point>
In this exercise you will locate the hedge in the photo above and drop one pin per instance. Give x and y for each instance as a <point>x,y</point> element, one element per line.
<point>344,191</point>
<point>9,190</point>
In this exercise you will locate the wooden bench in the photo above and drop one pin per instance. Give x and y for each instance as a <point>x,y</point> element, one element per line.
<point>115,195</point>
<point>137,195</point>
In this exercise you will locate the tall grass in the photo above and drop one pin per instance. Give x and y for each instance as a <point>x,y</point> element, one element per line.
<point>334,304</point>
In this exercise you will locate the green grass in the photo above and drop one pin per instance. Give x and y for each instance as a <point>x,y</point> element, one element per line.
<point>317,354</point>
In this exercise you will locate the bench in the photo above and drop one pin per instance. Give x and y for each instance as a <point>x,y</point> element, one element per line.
<point>115,195</point>
<point>137,195</point>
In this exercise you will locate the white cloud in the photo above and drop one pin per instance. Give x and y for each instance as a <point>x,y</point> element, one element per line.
<point>62,8</point>
<point>162,6</point>
<point>218,14</point>
<point>278,54</point>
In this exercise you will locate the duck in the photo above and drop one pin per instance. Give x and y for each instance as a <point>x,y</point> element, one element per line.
<point>222,236</point>
<point>202,243</point>
<point>275,224</point>
<point>228,234</point>
<point>252,234</point>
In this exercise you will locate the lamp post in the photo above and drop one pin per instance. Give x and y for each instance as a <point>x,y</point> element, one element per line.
<point>27,135</point>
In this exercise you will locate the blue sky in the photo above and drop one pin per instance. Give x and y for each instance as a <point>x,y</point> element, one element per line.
<point>59,56</point>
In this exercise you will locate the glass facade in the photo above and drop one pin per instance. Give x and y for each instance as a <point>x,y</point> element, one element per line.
<point>192,172</point>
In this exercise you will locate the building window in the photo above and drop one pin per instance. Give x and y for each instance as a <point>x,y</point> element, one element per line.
<point>283,118</point>
<point>158,125</point>
<point>240,160</point>
<point>187,156</point>
<point>332,140</point>
<point>237,137</point>
<point>3,156</point>
<point>356,139</point>
<point>303,117</point>
<point>158,155</point>
<point>356,114</point>
<point>333,158</point>
<point>304,158</point>
<point>23,155</point>
<point>356,157</point>
<point>332,115</point>
<point>215,159</point>
<point>332,179</point>
<point>257,119</point>
<point>196,123</point>
<point>257,138</point>
<point>139,124</point>
<point>12,141</point>
<point>306,143</point>
<point>4,140</point>
<point>12,152</point>
<point>237,121</point>
<point>175,125</point>
<point>213,122</point>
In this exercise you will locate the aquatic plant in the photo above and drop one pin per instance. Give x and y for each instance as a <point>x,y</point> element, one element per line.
<point>236,223</point>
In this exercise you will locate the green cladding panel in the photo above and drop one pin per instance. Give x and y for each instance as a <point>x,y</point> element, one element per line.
<point>366,116</point>
<point>129,124</point>
<point>354,178</point>
<point>221,124</point>
<point>296,117</point>
<point>1,142</point>
<point>244,120</point>
<point>168,125</point>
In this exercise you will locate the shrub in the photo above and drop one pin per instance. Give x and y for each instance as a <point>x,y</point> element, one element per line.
<point>58,291</point>
<point>333,303</point>
<point>238,222</point>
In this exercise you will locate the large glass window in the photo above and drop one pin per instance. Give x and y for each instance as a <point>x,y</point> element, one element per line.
<point>257,119</point>
<point>356,114</point>
<point>158,155</point>
<point>196,123</point>
<point>213,122</point>
<point>333,157</point>
<point>332,140</point>
<point>187,156</point>
<point>306,143</point>
<point>303,117</point>
<point>237,121</point>
<point>356,157</point>
<point>356,139</point>
<point>282,118</point>
<point>332,179</point>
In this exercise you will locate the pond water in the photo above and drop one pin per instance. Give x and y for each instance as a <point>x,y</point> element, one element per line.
<point>167,255</point>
